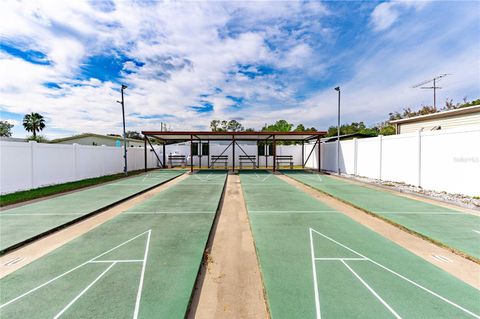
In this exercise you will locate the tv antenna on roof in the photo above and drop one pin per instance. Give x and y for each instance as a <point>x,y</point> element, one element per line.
<point>434,87</point>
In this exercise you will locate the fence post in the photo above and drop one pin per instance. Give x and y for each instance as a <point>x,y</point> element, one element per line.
<point>419,143</point>
<point>104,158</point>
<point>32,163</point>
<point>355,155</point>
<point>380,140</point>
<point>75,168</point>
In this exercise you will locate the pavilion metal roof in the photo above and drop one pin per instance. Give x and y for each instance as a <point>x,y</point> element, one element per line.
<point>169,136</point>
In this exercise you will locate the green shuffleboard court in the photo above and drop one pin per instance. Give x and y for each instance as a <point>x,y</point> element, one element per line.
<point>318,263</point>
<point>21,224</point>
<point>141,264</point>
<point>452,228</point>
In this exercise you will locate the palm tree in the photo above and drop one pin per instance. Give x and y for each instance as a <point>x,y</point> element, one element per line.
<point>34,123</point>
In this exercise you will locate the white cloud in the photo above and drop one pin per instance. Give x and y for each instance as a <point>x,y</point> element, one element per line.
<point>185,53</point>
<point>192,53</point>
<point>387,13</point>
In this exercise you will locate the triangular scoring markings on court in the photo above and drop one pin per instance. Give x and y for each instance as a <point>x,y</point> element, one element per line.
<point>326,248</point>
<point>105,257</point>
<point>341,256</point>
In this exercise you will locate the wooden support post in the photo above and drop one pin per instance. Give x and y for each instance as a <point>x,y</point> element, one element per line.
<point>303,154</point>
<point>164,157</point>
<point>265,147</point>
<point>191,152</point>
<point>319,154</point>
<point>208,156</point>
<point>233,154</point>
<point>145,150</point>
<point>274,154</point>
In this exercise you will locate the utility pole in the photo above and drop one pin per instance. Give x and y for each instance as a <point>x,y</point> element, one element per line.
<point>338,131</point>
<point>434,87</point>
<point>125,171</point>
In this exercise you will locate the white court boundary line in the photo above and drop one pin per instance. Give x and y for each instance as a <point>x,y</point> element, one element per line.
<point>83,291</point>
<point>140,285</point>
<point>199,185</point>
<point>422,213</point>
<point>41,214</point>
<point>202,179</point>
<point>379,265</point>
<point>261,178</point>
<point>293,211</point>
<point>172,212</point>
<point>476,231</point>
<point>151,176</point>
<point>207,179</point>
<point>315,283</point>
<point>93,260</point>
<point>372,291</point>
<point>316,177</point>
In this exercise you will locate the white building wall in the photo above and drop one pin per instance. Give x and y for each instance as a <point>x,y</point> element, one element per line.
<point>458,121</point>
<point>97,141</point>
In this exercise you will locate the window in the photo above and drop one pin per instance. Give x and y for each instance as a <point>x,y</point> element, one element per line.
<point>194,149</point>
<point>261,150</point>
<point>205,149</point>
<point>270,149</point>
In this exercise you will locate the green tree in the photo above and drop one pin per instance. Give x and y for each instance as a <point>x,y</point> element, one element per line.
<point>279,126</point>
<point>34,123</point>
<point>387,130</point>
<point>215,125</point>
<point>5,129</point>
<point>38,139</point>
<point>226,126</point>
<point>300,128</point>
<point>354,127</point>
<point>234,126</point>
<point>134,135</point>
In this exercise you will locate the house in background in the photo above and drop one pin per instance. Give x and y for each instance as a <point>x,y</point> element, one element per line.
<point>98,140</point>
<point>12,139</point>
<point>466,116</point>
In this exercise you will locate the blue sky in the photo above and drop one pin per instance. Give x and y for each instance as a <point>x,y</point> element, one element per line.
<point>186,63</point>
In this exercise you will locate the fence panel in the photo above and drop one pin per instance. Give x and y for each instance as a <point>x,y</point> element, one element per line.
<point>368,157</point>
<point>25,166</point>
<point>400,158</point>
<point>15,166</point>
<point>450,161</point>
<point>52,163</point>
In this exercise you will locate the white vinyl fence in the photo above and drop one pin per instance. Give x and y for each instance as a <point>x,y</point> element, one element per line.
<point>31,165</point>
<point>447,160</point>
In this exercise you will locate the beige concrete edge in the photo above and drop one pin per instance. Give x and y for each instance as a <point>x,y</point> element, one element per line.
<point>231,285</point>
<point>462,268</point>
<point>421,198</point>
<point>21,257</point>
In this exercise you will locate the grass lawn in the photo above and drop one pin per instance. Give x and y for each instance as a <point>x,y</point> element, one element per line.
<point>22,196</point>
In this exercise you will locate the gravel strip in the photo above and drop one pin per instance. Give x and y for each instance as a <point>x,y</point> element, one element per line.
<point>455,199</point>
